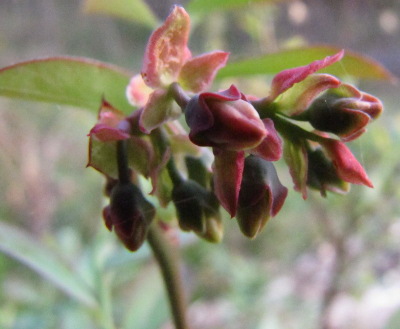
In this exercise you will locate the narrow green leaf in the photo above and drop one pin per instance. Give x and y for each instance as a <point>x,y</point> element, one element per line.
<point>66,80</point>
<point>20,246</point>
<point>132,10</point>
<point>202,7</point>
<point>147,310</point>
<point>353,64</point>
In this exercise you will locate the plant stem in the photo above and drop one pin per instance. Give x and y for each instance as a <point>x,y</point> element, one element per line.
<point>169,266</point>
<point>160,140</point>
<point>122,162</point>
<point>179,95</point>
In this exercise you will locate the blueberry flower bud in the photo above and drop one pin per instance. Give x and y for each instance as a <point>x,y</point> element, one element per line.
<point>344,115</point>
<point>261,195</point>
<point>322,174</point>
<point>130,214</point>
<point>224,120</point>
<point>197,210</point>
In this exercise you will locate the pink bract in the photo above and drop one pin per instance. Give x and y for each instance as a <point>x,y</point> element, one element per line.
<point>347,166</point>
<point>167,50</point>
<point>168,59</point>
<point>287,78</point>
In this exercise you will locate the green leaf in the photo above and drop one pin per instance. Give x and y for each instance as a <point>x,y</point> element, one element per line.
<point>20,246</point>
<point>103,155</point>
<point>147,310</point>
<point>203,7</point>
<point>353,64</point>
<point>72,81</point>
<point>132,10</point>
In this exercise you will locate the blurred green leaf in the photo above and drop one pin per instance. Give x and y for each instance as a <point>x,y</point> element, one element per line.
<point>20,246</point>
<point>132,10</point>
<point>353,64</point>
<point>202,7</point>
<point>66,80</point>
<point>149,308</point>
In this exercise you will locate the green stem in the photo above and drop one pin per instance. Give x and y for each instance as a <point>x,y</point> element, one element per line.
<point>122,162</point>
<point>169,266</point>
<point>160,140</point>
<point>293,131</point>
<point>179,95</point>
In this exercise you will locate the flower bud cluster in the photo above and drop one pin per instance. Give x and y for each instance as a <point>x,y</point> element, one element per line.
<point>225,156</point>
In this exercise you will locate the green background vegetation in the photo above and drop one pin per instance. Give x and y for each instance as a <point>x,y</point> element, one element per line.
<point>321,263</point>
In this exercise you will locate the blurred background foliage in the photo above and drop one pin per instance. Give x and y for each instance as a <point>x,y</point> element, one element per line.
<point>321,263</point>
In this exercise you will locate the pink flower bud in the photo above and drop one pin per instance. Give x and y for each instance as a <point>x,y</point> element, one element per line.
<point>224,120</point>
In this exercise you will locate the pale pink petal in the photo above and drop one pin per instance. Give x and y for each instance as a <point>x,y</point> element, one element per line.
<point>270,148</point>
<point>347,166</point>
<point>287,78</point>
<point>137,91</point>
<point>228,171</point>
<point>167,50</point>
<point>199,72</point>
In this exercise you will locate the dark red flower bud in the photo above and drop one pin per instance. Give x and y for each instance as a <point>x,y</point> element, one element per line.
<point>224,120</point>
<point>197,210</point>
<point>130,214</point>
<point>322,174</point>
<point>261,195</point>
<point>345,112</point>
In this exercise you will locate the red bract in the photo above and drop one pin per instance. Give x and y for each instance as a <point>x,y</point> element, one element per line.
<point>111,125</point>
<point>270,148</point>
<point>228,172</point>
<point>347,166</point>
<point>287,78</point>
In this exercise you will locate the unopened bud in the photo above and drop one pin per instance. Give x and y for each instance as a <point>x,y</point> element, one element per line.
<point>130,214</point>
<point>261,195</point>
<point>322,174</point>
<point>197,210</point>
